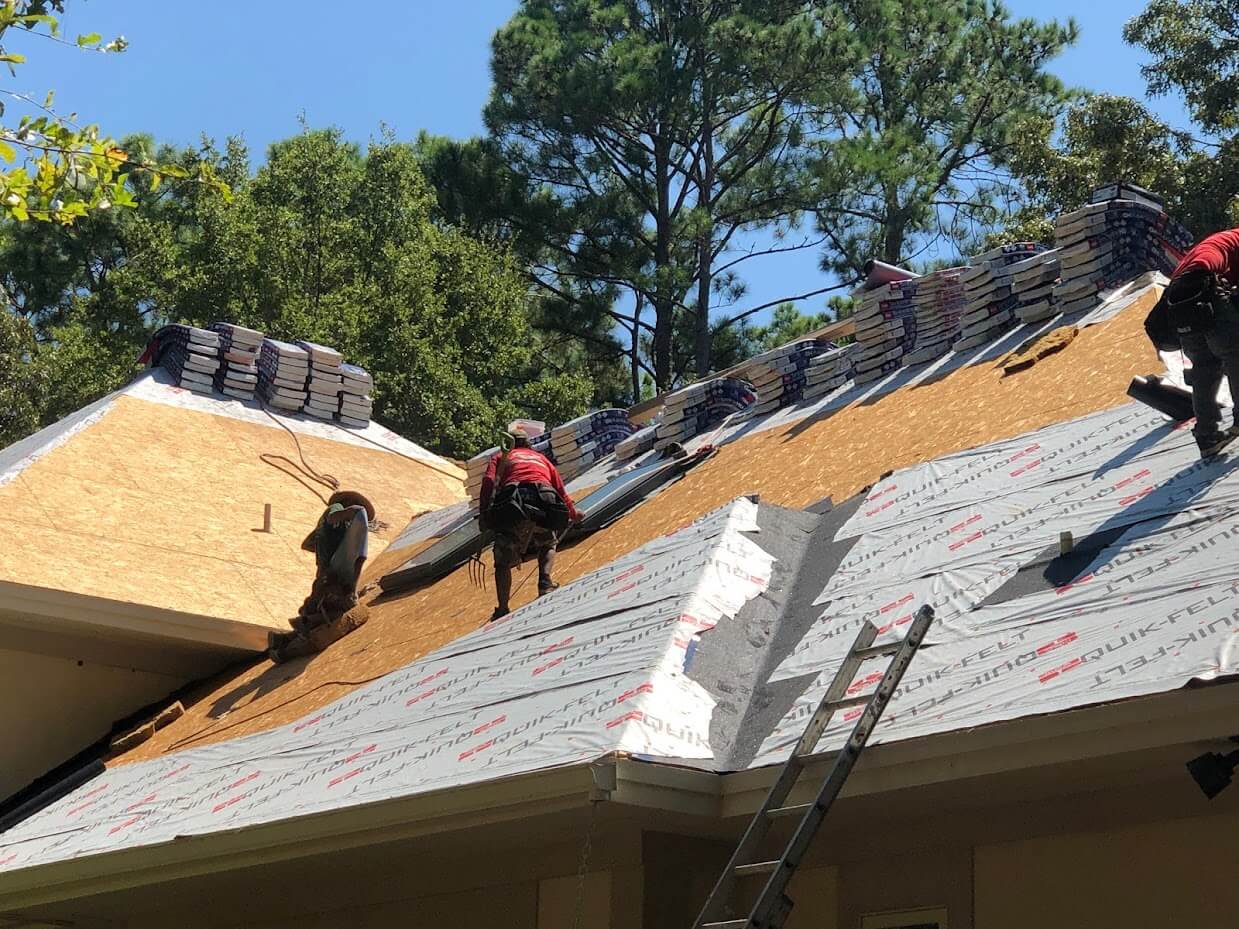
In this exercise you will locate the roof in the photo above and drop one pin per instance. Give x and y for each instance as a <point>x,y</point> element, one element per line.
<point>154,496</point>
<point>964,526</point>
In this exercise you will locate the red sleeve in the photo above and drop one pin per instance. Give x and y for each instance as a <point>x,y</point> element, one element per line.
<point>1216,254</point>
<point>558,483</point>
<point>488,482</point>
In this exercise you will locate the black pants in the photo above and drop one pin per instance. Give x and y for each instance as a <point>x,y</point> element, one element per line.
<point>1214,355</point>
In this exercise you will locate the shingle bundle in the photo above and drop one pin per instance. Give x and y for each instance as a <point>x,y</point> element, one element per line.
<point>1032,282</point>
<point>1111,241</point>
<point>700,406</point>
<point>779,377</point>
<point>282,372</point>
<point>355,403</point>
<point>885,329</point>
<point>580,442</point>
<point>827,371</point>
<point>475,467</point>
<point>990,304</point>
<point>636,444</point>
<point>323,380</point>
<point>939,302</point>
<point>238,350</point>
<point>190,354</point>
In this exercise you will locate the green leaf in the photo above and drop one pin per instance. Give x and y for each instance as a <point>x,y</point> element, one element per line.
<point>92,38</point>
<point>13,58</point>
<point>7,152</point>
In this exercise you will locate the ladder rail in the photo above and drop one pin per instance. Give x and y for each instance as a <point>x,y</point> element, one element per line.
<point>773,905</point>
<point>759,826</point>
<point>770,902</point>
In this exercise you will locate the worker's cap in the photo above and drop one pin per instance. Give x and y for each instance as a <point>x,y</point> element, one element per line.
<point>352,498</point>
<point>529,428</point>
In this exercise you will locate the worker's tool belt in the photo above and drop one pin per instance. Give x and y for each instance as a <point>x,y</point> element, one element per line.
<point>1194,301</point>
<point>540,504</point>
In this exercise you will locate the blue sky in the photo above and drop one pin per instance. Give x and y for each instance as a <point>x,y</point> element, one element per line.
<point>412,64</point>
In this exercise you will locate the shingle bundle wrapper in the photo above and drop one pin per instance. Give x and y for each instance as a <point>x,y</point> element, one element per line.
<point>282,372</point>
<point>636,444</point>
<point>827,371</point>
<point>475,467</point>
<point>885,329</point>
<point>355,403</point>
<point>238,350</point>
<point>190,355</point>
<point>1110,242</point>
<point>939,302</point>
<point>779,377</point>
<point>700,406</point>
<point>580,442</point>
<point>1033,282</point>
<point>989,310</point>
<point>323,380</point>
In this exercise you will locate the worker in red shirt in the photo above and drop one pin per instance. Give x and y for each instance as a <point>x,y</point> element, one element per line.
<point>1196,314</point>
<point>524,502</point>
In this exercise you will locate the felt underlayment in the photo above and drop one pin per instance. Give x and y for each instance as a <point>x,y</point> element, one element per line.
<point>155,504</point>
<point>794,466</point>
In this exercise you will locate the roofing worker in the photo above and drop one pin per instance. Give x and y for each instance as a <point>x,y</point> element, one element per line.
<point>524,502</point>
<point>1197,314</point>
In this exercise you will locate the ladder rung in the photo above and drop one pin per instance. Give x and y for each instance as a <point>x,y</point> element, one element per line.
<point>729,924</point>
<point>757,867</point>
<point>798,810</point>
<point>847,702</point>
<point>877,651</point>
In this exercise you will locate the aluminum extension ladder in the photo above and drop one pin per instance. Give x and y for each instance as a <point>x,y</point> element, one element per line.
<point>773,905</point>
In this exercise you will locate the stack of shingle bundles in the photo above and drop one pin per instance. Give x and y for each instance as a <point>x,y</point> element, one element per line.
<point>475,467</point>
<point>636,444</point>
<point>238,350</point>
<point>355,403</point>
<point>283,369</point>
<point>191,355</point>
<point>885,329</point>
<point>779,377</point>
<point>1033,282</point>
<point>1112,241</point>
<point>939,301</point>
<point>989,310</point>
<point>698,407</point>
<point>580,442</point>
<point>323,381</point>
<point>827,371</point>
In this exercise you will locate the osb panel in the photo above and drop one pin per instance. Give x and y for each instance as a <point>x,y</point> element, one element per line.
<point>158,505</point>
<point>835,456</point>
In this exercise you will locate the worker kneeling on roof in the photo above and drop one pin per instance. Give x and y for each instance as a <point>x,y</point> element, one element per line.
<point>1197,313</point>
<point>523,501</point>
<point>331,611</point>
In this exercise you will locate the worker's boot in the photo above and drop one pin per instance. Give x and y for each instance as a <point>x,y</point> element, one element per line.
<point>1212,445</point>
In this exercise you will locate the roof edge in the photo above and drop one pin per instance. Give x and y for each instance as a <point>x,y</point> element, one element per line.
<point>85,612</point>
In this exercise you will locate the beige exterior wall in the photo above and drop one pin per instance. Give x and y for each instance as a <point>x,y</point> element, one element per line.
<point>1163,875</point>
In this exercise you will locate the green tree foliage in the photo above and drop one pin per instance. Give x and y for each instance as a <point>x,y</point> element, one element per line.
<point>666,130</point>
<point>55,169</point>
<point>21,382</point>
<point>323,242</point>
<point>1195,52</point>
<point>1104,138</point>
<point>913,145</point>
